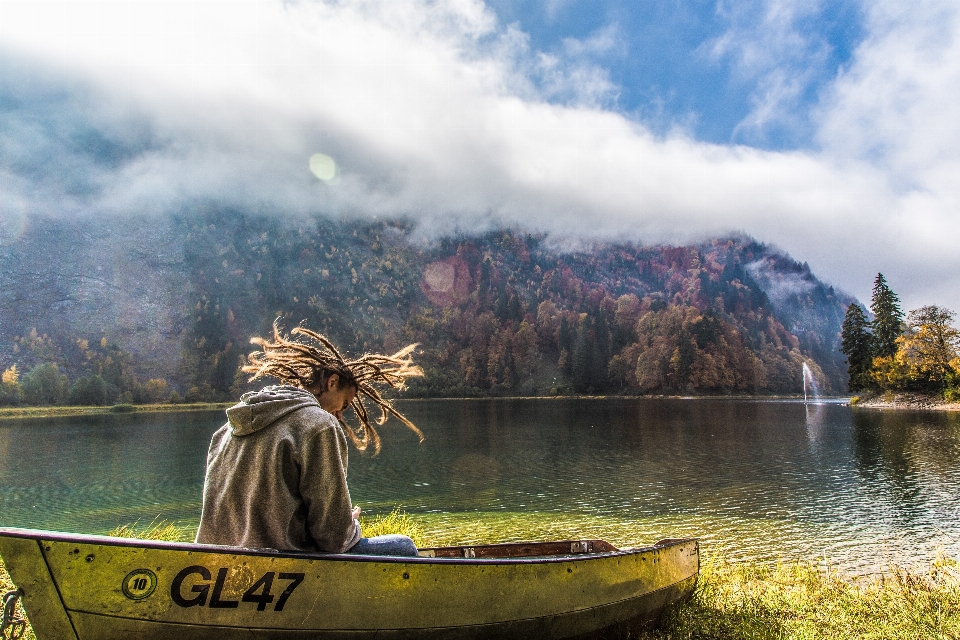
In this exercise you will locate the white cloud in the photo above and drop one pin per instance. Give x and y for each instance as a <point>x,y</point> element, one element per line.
<point>894,108</point>
<point>553,8</point>
<point>775,55</point>
<point>605,40</point>
<point>432,110</point>
<point>894,104</point>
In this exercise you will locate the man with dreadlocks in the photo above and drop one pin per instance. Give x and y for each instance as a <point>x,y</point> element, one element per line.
<point>277,470</point>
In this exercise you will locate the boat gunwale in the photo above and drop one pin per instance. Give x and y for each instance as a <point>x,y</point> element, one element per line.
<point>84,538</point>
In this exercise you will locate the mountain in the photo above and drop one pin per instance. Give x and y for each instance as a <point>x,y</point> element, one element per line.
<point>154,305</point>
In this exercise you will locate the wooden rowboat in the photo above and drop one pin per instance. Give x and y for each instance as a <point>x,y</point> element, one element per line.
<point>81,587</point>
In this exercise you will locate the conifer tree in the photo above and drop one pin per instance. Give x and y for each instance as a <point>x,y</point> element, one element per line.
<point>856,344</point>
<point>566,340</point>
<point>580,359</point>
<point>887,322</point>
<point>601,353</point>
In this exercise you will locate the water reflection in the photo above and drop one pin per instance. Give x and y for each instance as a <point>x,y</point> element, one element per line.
<point>91,473</point>
<point>762,479</point>
<point>909,464</point>
<point>814,417</point>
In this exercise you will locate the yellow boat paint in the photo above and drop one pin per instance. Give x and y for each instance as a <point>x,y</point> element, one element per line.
<point>99,588</point>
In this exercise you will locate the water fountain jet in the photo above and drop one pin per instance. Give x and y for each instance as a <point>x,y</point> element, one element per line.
<point>809,382</point>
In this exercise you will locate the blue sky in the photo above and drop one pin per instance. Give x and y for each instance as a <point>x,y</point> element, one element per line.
<point>669,70</point>
<point>825,128</point>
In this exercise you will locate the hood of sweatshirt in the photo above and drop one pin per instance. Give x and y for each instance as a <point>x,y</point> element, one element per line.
<point>259,409</point>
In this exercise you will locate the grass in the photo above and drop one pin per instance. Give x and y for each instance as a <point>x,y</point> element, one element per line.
<point>804,601</point>
<point>7,585</point>
<point>51,412</point>
<point>798,600</point>
<point>156,530</point>
<point>394,522</point>
<point>739,600</point>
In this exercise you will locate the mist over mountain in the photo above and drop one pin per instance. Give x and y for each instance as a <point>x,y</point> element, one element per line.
<point>172,300</point>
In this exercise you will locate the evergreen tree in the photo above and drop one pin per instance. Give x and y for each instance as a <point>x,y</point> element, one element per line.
<point>601,352</point>
<point>515,308</point>
<point>566,340</point>
<point>887,322</point>
<point>856,344</point>
<point>580,360</point>
<point>501,309</point>
<point>483,284</point>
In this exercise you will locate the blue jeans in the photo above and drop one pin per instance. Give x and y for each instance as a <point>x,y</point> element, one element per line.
<point>393,544</point>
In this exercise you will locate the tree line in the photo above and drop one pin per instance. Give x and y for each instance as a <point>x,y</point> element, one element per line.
<point>107,377</point>
<point>918,351</point>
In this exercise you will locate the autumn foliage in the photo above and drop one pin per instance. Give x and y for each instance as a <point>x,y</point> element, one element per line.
<point>920,353</point>
<point>496,314</point>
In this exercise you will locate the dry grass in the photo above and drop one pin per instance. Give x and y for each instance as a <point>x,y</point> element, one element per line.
<point>6,584</point>
<point>394,522</point>
<point>156,530</point>
<point>802,601</point>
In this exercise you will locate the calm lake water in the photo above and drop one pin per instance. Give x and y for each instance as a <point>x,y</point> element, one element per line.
<point>863,489</point>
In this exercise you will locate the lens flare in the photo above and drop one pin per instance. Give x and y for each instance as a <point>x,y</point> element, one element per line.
<point>446,282</point>
<point>323,167</point>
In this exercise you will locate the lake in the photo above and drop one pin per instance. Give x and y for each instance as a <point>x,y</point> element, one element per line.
<point>763,480</point>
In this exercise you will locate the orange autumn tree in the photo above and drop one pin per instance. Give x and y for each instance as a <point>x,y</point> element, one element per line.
<point>927,356</point>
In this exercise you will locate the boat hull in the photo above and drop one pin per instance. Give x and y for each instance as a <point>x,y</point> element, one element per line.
<point>94,587</point>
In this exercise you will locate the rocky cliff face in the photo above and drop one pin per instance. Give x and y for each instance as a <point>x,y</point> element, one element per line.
<point>122,280</point>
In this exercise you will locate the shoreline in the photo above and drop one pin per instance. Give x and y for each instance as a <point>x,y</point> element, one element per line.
<point>15,413</point>
<point>586,396</point>
<point>904,402</point>
<point>887,402</point>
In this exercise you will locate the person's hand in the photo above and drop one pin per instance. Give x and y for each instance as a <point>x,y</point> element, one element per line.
<point>356,513</point>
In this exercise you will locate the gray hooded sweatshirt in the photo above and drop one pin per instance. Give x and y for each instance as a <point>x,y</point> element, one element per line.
<point>277,477</point>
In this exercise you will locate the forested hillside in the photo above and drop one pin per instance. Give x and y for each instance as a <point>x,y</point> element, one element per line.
<point>142,310</point>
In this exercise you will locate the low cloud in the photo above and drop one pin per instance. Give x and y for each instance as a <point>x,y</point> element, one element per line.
<point>434,111</point>
<point>780,285</point>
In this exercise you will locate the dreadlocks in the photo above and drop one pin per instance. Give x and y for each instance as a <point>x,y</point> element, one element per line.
<point>315,359</point>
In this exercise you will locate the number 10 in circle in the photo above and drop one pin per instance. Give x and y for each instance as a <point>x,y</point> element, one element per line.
<point>139,583</point>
